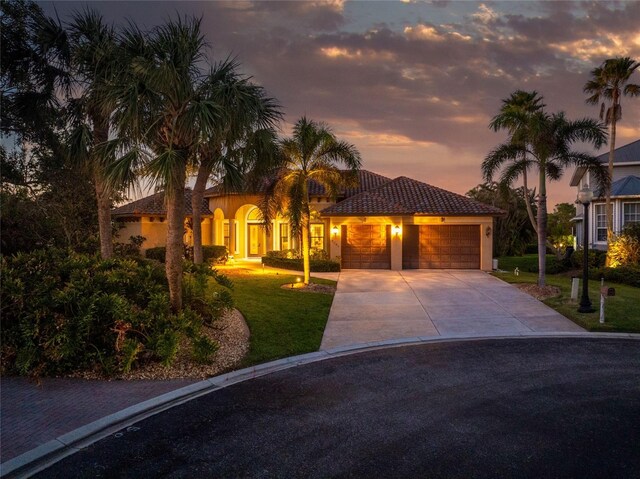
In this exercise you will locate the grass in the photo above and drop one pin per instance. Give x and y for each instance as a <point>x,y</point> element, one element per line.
<point>283,322</point>
<point>622,311</point>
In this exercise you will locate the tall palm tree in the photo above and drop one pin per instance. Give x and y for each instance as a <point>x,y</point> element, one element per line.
<point>95,63</point>
<point>312,153</point>
<point>163,110</point>
<point>608,84</point>
<point>244,108</point>
<point>550,138</point>
<point>514,117</point>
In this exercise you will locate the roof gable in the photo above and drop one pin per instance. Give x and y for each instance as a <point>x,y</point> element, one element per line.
<point>623,155</point>
<point>627,186</point>
<point>408,196</point>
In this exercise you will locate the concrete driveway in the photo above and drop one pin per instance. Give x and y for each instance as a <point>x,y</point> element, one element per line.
<point>380,305</point>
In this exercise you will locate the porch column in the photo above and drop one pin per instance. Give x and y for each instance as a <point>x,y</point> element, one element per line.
<point>396,244</point>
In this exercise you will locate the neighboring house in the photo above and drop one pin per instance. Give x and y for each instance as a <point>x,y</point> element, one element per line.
<point>380,224</point>
<point>147,217</point>
<point>625,196</point>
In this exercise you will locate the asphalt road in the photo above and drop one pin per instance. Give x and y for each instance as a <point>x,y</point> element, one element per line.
<point>522,408</point>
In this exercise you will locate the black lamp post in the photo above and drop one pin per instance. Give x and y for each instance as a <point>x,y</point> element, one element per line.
<point>585,195</point>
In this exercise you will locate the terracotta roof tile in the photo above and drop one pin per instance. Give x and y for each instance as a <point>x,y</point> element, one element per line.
<point>154,205</point>
<point>409,197</point>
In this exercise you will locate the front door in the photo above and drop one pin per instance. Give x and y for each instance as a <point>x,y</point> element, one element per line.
<point>255,240</point>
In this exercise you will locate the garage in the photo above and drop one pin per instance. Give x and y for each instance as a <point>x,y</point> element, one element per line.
<point>441,247</point>
<point>366,246</point>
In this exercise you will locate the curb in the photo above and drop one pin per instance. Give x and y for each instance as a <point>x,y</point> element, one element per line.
<point>40,458</point>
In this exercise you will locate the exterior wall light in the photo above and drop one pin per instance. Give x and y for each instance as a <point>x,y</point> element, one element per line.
<point>397,230</point>
<point>335,230</point>
<point>488,231</point>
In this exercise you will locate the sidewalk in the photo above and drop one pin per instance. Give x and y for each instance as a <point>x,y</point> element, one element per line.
<point>33,414</point>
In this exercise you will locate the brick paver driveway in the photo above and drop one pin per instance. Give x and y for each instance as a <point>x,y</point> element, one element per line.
<point>380,305</point>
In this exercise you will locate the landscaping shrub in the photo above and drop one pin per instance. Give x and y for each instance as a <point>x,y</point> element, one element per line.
<point>554,266</point>
<point>596,258</point>
<point>158,253</point>
<point>129,249</point>
<point>284,254</point>
<point>211,254</point>
<point>317,265</point>
<point>622,274</point>
<point>63,312</point>
<point>624,250</point>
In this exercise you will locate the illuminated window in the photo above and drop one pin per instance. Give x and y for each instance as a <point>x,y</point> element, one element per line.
<point>284,236</point>
<point>317,235</point>
<point>226,235</point>
<point>601,222</point>
<point>631,213</point>
<point>254,215</point>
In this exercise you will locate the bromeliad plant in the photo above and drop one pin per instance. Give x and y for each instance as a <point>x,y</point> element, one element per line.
<point>63,312</point>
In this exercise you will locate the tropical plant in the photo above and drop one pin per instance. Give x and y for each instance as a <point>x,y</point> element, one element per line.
<point>513,231</point>
<point>513,117</point>
<point>560,227</point>
<point>163,110</point>
<point>608,84</point>
<point>311,154</point>
<point>624,250</point>
<point>245,109</point>
<point>549,141</point>
<point>95,64</point>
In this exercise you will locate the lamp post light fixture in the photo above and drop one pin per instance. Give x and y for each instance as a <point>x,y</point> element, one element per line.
<point>396,230</point>
<point>335,231</point>
<point>585,195</point>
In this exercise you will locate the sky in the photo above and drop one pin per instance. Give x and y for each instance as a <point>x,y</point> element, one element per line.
<point>412,84</point>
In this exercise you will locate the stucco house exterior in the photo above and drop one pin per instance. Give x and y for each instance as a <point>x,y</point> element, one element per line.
<point>625,196</point>
<point>381,223</point>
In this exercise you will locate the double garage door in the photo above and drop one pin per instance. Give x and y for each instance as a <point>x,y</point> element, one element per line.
<point>423,246</point>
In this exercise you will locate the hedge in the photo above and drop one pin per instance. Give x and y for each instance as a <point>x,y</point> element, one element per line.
<point>210,253</point>
<point>622,274</point>
<point>317,265</point>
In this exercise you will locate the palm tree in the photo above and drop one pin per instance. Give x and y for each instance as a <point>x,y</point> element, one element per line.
<point>244,108</point>
<point>513,117</point>
<point>95,64</point>
<point>163,110</point>
<point>550,137</point>
<point>609,84</point>
<point>312,153</point>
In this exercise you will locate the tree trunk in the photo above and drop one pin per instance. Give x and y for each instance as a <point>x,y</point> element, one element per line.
<point>104,216</point>
<point>542,228</point>
<point>609,205</point>
<point>103,193</point>
<point>306,261</point>
<point>175,240</point>
<point>526,202</point>
<point>204,171</point>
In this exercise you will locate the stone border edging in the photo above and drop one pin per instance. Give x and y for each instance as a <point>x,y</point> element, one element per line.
<point>41,457</point>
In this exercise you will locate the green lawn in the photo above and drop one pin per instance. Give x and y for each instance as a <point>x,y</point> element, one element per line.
<point>622,311</point>
<point>283,322</point>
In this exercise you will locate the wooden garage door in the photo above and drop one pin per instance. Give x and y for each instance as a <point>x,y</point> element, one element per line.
<point>441,247</point>
<point>366,246</point>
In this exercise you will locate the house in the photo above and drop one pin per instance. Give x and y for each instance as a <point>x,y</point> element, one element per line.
<point>625,196</point>
<point>381,223</point>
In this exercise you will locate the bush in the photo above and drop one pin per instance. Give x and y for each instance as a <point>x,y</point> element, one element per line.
<point>211,254</point>
<point>129,249</point>
<point>158,253</point>
<point>284,254</point>
<point>622,274</point>
<point>596,258</point>
<point>553,266</point>
<point>317,265</point>
<point>624,250</point>
<point>63,312</point>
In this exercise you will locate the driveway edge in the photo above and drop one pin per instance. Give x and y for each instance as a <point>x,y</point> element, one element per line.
<point>41,457</point>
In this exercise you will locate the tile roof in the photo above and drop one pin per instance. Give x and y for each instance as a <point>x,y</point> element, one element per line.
<point>154,205</point>
<point>626,186</point>
<point>366,181</point>
<point>405,196</point>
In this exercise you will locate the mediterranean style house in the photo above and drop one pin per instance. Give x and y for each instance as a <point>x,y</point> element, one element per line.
<point>382,223</point>
<point>625,196</point>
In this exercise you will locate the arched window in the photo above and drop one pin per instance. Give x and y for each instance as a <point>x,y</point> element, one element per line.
<point>254,215</point>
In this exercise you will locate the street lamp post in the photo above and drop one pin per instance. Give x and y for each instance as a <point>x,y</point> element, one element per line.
<point>585,195</point>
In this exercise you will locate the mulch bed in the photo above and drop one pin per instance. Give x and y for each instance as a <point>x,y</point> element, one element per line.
<point>310,288</point>
<point>538,292</point>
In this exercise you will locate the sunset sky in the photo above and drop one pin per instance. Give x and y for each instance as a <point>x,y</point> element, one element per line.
<point>413,84</point>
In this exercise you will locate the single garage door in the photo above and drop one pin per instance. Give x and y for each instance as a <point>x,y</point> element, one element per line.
<point>366,246</point>
<point>441,247</point>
